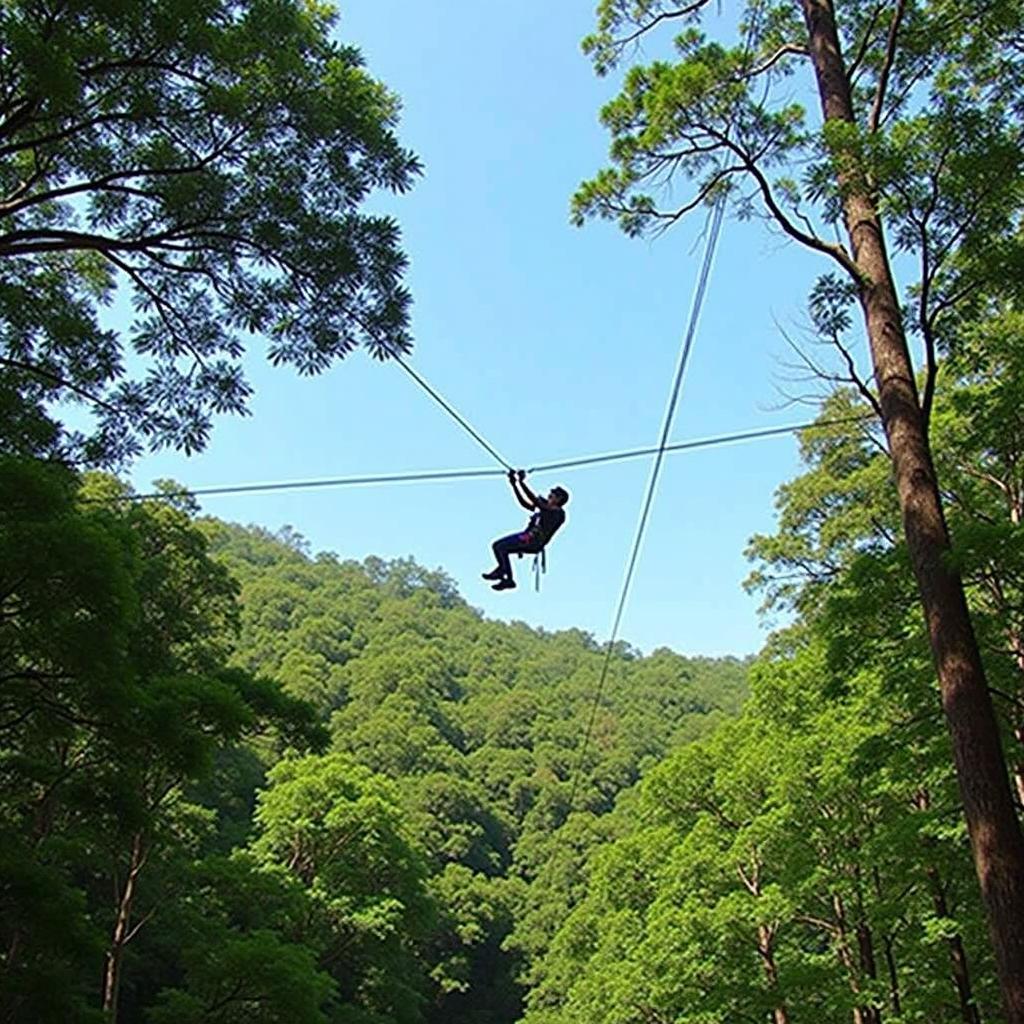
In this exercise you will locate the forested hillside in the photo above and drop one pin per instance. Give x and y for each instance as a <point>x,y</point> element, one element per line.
<point>481,725</point>
<point>253,781</point>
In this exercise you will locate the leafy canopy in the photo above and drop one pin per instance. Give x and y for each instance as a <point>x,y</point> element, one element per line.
<point>213,158</point>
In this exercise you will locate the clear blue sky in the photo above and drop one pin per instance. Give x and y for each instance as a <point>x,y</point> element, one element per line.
<point>553,341</point>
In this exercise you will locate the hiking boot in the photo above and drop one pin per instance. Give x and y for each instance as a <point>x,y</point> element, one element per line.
<point>494,574</point>
<point>504,585</point>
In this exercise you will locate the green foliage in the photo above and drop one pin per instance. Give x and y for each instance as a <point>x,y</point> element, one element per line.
<point>253,979</point>
<point>784,864</point>
<point>170,855</point>
<point>115,699</point>
<point>478,724</point>
<point>934,141</point>
<point>212,160</point>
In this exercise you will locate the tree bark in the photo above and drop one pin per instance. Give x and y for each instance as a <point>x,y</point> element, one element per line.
<point>957,954</point>
<point>766,950</point>
<point>895,1004</point>
<point>889,950</point>
<point>862,1013</point>
<point>1018,768</point>
<point>122,931</point>
<point>751,879</point>
<point>870,1014</point>
<point>996,840</point>
<point>1017,646</point>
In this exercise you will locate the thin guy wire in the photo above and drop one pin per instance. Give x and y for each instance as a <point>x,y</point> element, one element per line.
<point>684,357</point>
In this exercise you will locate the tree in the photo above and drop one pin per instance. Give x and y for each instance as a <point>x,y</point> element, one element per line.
<point>239,934</point>
<point>784,868</point>
<point>114,628</point>
<point>919,136</point>
<point>212,158</point>
<point>337,828</point>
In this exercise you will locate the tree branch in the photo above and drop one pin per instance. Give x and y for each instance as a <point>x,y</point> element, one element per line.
<point>107,181</point>
<point>787,49</point>
<point>165,309</point>
<point>38,371</point>
<point>142,63</point>
<point>836,252</point>
<point>40,168</point>
<point>682,12</point>
<point>883,76</point>
<point>854,377</point>
<point>29,240</point>
<point>865,42</point>
<point>668,219</point>
<point>21,115</point>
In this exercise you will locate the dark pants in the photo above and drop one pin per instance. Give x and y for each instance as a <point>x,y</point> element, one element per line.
<point>513,544</point>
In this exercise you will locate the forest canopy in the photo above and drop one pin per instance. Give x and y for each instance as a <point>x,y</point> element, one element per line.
<point>243,782</point>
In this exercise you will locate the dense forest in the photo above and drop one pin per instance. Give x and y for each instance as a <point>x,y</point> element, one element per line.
<point>245,783</point>
<point>383,832</point>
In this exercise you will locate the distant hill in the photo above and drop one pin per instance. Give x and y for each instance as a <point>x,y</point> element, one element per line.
<point>479,723</point>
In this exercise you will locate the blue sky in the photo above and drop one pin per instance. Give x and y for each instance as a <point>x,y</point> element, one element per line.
<point>553,341</point>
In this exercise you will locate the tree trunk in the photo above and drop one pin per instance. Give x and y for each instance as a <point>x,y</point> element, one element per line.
<point>996,840</point>
<point>870,1014</point>
<point>751,878</point>
<point>894,978</point>
<point>766,950</point>
<point>1018,770</point>
<point>888,947</point>
<point>122,931</point>
<point>861,1013</point>
<point>1017,646</point>
<point>957,954</point>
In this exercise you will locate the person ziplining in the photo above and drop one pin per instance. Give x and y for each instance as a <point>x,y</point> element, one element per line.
<point>548,516</point>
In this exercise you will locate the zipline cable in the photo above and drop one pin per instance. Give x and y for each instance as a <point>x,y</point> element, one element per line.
<point>704,442</point>
<point>441,475</point>
<point>449,408</point>
<point>425,476</point>
<point>700,291</point>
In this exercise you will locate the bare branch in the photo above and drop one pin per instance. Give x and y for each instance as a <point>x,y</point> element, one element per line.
<point>54,378</point>
<point>887,63</point>
<point>702,197</point>
<point>787,49</point>
<point>139,925</point>
<point>927,334</point>
<point>854,377</point>
<point>836,252</point>
<point>923,72</point>
<point>865,42</point>
<point>682,12</point>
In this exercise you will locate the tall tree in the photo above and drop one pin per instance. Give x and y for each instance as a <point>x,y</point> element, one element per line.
<point>113,697</point>
<point>919,133</point>
<point>213,159</point>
